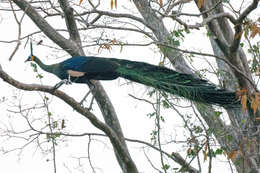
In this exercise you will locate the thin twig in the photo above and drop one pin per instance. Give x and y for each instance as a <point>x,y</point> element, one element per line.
<point>89,159</point>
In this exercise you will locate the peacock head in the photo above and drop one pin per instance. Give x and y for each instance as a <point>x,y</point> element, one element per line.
<point>30,58</point>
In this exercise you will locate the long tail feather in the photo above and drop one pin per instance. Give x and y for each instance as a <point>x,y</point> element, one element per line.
<point>176,83</point>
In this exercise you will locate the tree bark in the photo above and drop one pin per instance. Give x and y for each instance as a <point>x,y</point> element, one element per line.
<point>72,46</point>
<point>243,126</point>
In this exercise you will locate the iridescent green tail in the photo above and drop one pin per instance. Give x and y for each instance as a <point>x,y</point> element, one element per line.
<point>176,83</point>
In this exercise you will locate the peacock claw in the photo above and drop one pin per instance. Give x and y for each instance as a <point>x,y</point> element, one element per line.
<point>91,89</point>
<point>90,106</point>
<point>64,81</point>
<point>67,82</point>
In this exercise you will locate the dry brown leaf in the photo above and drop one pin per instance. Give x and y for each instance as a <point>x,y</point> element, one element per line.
<point>255,104</point>
<point>115,3</point>
<point>254,30</point>
<point>107,46</point>
<point>39,42</point>
<point>205,156</point>
<point>139,5</point>
<point>200,3</point>
<point>189,151</point>
<point>80,2</point>
<point>113,41</point>
<point>111,4</point>
<point>258,19</point>
<point>257,118</point>
<point>238,35</point>
<point>161,3</point>
<point>63,124</point>
<point>232,155</point>
<point>244,102</point>
<point>100,46</point>
<point>258,68</point>
<point>241,92</point>
<point>195,150</point>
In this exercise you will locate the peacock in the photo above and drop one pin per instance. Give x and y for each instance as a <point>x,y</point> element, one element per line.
<point>82,69</point>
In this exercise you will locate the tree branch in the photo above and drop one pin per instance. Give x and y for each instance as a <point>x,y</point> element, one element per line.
<point>238,25</point>
<point>121,150</point>
<point>100,95</point>
<point>118,15</point>
<point>47,29</point>
<point>205,21</point>
<point>70,21</point>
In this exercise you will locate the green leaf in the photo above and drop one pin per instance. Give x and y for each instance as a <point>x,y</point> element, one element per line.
<point>39,76</point>
<point>162,119</point>
<point>34,66</point>
<point>165,104</point>
<point>176,43</point>
<point>229,138</point>
<point>57,135</point>
<point>150,115</point>
<point>219,151</point>
<point>54,124</point>
<point>217,113</point>
<point>166,167</point>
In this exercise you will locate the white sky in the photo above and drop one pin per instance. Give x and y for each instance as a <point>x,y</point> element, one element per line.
<point>131,113</point>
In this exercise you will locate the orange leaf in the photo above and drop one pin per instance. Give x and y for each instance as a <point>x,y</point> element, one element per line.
<point>241,92</point>
<point>244,102</point>
<point>257,97</point>
<point>255,104</point>
<point>200,3</point>
<point>111,4</point>
<point>113,41</point>
<point>107,46</point>
<point>232,155</point>
<point>80,2</point>
<point>161,3</point>
<point>100,46</point>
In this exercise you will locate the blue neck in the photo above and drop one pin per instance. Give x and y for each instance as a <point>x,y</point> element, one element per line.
<point>48,68</point>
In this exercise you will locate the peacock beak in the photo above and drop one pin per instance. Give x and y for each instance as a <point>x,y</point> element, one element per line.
<point>26,60</point>
<point>30,58</point>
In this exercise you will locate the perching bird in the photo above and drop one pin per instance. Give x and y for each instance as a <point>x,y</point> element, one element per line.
<point>81,69</point>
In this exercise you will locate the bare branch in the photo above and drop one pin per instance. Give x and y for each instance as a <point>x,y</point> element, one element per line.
<point>19,31</point>
<point>70,22</point>
<point>238,26</point>
<point>118,15</point>
<point>205,21</point>
<point>248,10</point>
<point>47,29</point>
<point>121,150</point>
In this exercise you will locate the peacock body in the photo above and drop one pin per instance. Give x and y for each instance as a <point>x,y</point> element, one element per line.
<point>81,69</point>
